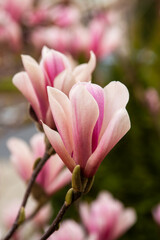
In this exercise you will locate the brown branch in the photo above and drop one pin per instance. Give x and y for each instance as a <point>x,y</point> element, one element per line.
<point>55,224</point>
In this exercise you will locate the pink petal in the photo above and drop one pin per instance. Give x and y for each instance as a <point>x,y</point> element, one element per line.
<point>62,179</point>
<point>85,214</point>
<point>64,81</point>
<point>156,214</point>
<point>22,82</point>
<point>61,111</point>
<point>110,41</point>
<point>56,165</point>
<point>69,230</point>
<point>96,32</point>
<point>59,147</point>
<point>21,157</point>
<point>38,145</point>
<point>53,166</point>
<point>84,114</point>
<point>126,219</point>
<point>37,79</point>
<point>53,63</point>
<point>117,128</point>
<point>97,92</point>
<point>116,97</point>
<point>82,73</point>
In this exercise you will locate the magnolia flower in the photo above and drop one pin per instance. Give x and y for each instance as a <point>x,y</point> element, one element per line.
<point>16,9</point>
<point>10,212</point>
<point>73,41</point>
<point>52,177</point>
<point>10,31</point>
<point>90,122</point>
<point>33,83</point>
<point>156,214</point>
<point>37,17</point>
<point>65,15</point>
<point>69,230</point>
<point>106,218</point>
<point>102,40</point>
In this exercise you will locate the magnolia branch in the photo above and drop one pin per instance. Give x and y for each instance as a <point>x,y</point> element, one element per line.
<point>80,185</point>
<point>21,213</point>
<point>70,198</point>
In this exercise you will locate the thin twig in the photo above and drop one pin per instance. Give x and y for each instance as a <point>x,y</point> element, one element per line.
<point>27,192</point>
<point>55,224</point>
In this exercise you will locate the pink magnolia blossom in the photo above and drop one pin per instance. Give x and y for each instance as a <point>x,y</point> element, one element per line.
<point>106,218</point>
<point>156,214</point>
<point>10,214</point>
<point>103,37</point>
<point>73,41</point>
<point>16,9</point>
<point>33,83</point>
<point>40,220</point>
<point>36,17</point>
<point>69,230</point>
<point>65,15</point>
<point>53,37</point>
<point>52,177</point>
<point>90,122</point>
<point>10,31</point>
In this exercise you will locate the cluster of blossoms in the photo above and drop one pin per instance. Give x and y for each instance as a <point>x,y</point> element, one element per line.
<point>82,123</point>
<point>59,26</point>
<point>104,219</point>
<point>34,227</point>
<point>90,121</point>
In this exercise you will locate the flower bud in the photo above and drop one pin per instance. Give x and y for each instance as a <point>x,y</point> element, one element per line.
<point>76,179</point>
<point>21,217</point>
<point>69,197</point>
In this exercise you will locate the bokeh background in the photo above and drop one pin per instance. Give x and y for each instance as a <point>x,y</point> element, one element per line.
<point>131,172</point>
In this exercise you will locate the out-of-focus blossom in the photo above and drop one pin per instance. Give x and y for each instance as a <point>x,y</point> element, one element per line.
<point>10,213</point>
<point>106,218</point>
<point>69,230</point>
<point>10,31</point>
<point>40,220</point>
<point>65,15</point>
<point>73,41</point>
<point>36,17</point>
<point>16,9</point>
<point>80,40</point>
<point>103,38</point>
<point>152,100</point>
<point>33,83</point>
<point>52,177</point>
<point>42,217</point>
<point>156,214</point>
<point>90,122</point>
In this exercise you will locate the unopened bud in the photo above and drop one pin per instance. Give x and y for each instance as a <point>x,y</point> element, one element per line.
<point>76,179</point>
<point>69,197</point>
<point>36,163</point>
<point>88,185</point>
<point>21,217</point>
